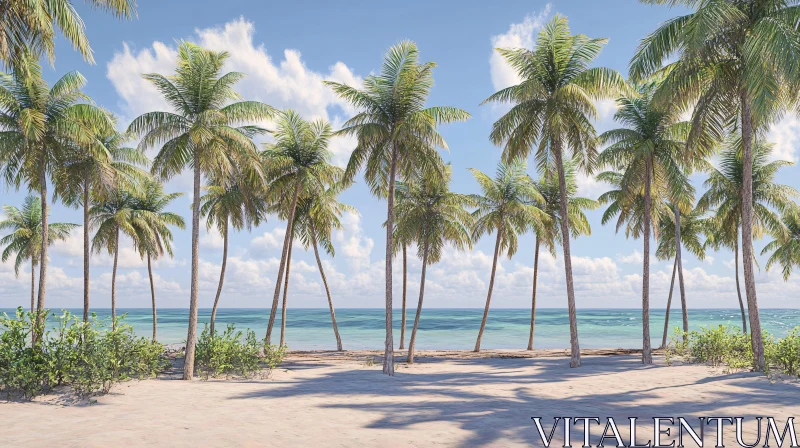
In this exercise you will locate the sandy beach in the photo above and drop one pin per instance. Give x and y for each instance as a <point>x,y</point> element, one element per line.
<point>445,399</point>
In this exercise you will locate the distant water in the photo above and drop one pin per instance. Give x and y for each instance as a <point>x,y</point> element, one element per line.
<point>310,329</point>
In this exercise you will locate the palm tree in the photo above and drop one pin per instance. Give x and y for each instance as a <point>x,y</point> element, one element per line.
<point>40,124</point>
<point>724,196</point>
<point>30,24</point>
<point>553,107</point>
<point>26,234</point>
<point>693,226</point>
<point>296,165</point>
<point>88,174</point>
<point>649,150</point>
<point>505,206</point>
<point>317,218</point>
<point>230,202</point>
<point>432,216</point>
<point>786,245</point>
<point>396,134</point>
<point>205,133</point>
<point>549,234</point>
<point>153,236</point>
<point>736,63</point>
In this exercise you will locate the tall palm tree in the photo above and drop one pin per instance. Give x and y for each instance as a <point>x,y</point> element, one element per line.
<point>736,63</point>
<point>204,132</point>
<point>506,206</point>
<point>317,218</point>
<point>432,216</point>
<point>296,165</point>
<point>153,237</point>
<point>649,150</point>
<point>693,226</point>
<point>24,241</point>
<point>785,247</point>
<point>396,133</point>
<point>94,174</point>
<point>723,195</point>
<point>550,233</point>
<point>39,124</point>
<point>552,110</point>
<point>231,201</point>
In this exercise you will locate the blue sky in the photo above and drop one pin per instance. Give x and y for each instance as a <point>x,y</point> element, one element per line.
<point>287,49</point>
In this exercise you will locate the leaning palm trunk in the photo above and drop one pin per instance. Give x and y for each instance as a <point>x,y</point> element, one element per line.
<point>285,294</point>
<point>221,276</point>
<point>575,360</point>
<point>681,284</point>
<point>152,297</point>
<point>647,356</point>
<point>533,299</point>
<point>738,289</point>
<point>191,336</point>
<point>43,254</point>
<point>491,286</point>
<point>86,250</point>
<point>33,284</point>
<point>114,281</point>
<point>286,240</point>
<point>403,316</point>
<point>388,356</point>
<point>327,289</point>
<point>747,234</point>
<point>419,306</point>
<point>669,304</point>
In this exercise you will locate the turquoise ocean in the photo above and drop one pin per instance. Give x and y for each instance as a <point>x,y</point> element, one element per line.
<point>363,329</point>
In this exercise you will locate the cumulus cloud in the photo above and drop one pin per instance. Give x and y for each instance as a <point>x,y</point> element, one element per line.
<point>519,35</point>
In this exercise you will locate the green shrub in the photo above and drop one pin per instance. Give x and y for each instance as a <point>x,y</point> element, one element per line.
<point>785,353</point>
<point>233,353</point>
<point>25,368</point>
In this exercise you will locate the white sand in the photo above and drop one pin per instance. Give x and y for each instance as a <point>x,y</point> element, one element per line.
<point>323,401</point>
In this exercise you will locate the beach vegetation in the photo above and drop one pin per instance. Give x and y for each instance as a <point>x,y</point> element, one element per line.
<point>235,353</point>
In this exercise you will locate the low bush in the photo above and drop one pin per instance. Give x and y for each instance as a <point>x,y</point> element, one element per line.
<point>87,356</point>
<point>233,353</point>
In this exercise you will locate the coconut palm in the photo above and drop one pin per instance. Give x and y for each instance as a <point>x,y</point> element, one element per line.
<point>317,217</point>
<point>649,151</point>
<point>432,216</point>
<point>231,201</point>
<point>785,247</point>
<point>396,133</point>
<point>24,241</point>
<point>736,63</point>
<point>204,132</point>
<point>549,234</point>
<point>724,197</point>
<point>30,24</point>
<point>40,124</point>
<point>505,206</point>
<point>552,112</point>
<point>88,174</point>
<point>296,165</point>
<point>153,237</point>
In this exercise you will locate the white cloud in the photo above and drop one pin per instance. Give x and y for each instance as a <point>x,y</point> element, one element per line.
<point>784,135</point>
<point>519,35</point>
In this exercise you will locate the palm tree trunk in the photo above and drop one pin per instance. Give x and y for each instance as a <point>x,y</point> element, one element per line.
<point>405,283</point>
<point>679,258</point>
<point>388,356</point>
<point>33,285</point>
<point>327,289</point>
<point>86,253</point>
<point>491,287</point>
<point>191,335</point>
<point>575,360</point>
<point>747,234</point>
<point>153,297</point>
<point>533,299</point>
<point>669,304</point>
<point>738,289</point>
<point>43,252</point>
<point>286,293</point>
<point>647,356</point>
<point>221,275</point>
<point>419,305</point>
<point>114,281</point>
<point>286,239</point>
